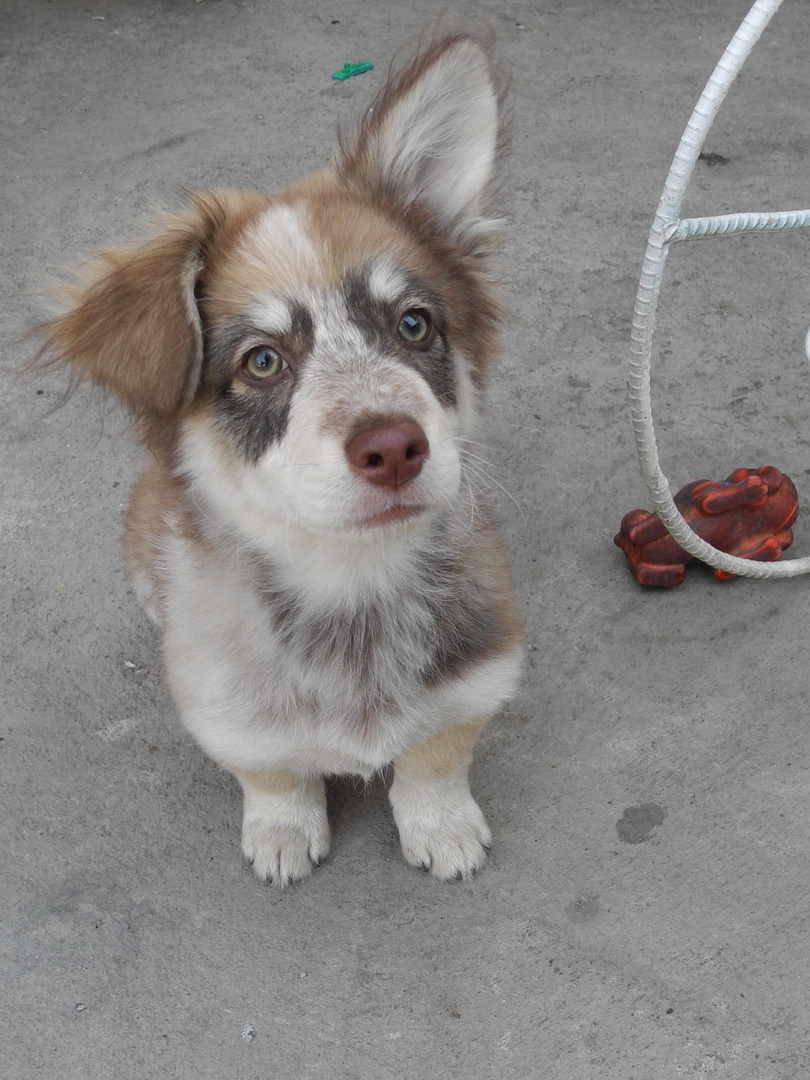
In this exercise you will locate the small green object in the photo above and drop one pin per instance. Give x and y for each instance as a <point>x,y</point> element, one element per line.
<point>348,70</point>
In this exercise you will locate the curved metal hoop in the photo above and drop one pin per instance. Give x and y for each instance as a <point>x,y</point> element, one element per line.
<point>668,228</point>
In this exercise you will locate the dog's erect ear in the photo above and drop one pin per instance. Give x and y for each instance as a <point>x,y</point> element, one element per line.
<point>134,328</point>
<point>431,139</point>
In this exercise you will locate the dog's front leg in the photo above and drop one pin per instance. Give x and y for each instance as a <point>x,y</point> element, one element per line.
<point>441,827</point>
<point>284,831</point>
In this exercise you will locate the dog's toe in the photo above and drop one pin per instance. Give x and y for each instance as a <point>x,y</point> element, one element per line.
<point>282,854</point>
<point>452,848</point>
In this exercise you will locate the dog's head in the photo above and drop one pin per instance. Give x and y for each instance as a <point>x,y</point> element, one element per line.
<point>315,356</point>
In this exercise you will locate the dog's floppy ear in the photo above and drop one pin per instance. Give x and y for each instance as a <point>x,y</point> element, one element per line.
<point>431,140</point>
<point>134,327</point>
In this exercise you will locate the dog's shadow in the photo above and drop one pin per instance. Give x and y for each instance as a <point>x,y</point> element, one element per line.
<point>359,813</point>
<point>349,798</point>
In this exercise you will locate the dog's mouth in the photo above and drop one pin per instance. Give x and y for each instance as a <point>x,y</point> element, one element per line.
<point>391,515</point>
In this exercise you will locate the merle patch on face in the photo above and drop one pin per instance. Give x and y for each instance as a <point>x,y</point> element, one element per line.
<point>256,416</point>
<point>377,320</point>
<point>253,415</point>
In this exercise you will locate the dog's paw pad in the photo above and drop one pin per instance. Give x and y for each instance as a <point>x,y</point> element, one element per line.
<point>452,847</point>
<point>282,853</point>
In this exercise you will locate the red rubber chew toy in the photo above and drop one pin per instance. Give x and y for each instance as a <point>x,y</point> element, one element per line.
<point>749,515</point>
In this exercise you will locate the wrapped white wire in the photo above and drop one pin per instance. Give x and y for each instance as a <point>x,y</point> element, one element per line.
<point>667,228</point>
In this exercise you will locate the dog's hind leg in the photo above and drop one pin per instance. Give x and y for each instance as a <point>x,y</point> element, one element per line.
<point>441,827</point>
<point>285,832</point>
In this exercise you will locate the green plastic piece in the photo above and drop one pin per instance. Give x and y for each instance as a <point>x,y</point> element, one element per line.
<point>348,70</point>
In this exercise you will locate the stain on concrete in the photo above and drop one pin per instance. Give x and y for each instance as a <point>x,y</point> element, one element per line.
<point>163,144</point>
<point>582,909</point>
<point>637,822</point>
<point>713,159</point>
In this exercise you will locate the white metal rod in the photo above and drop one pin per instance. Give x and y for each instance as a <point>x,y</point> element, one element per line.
<point>733,224</point>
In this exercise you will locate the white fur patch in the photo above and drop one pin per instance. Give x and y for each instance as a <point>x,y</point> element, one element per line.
<point>279,238</point>
<point>386,282</point>
<point>441,827</point>
<point>272,314</point>
<point>285,834</point>
<point>438,143</point>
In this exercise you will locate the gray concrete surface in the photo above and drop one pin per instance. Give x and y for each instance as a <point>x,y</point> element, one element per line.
<point>644,911</point>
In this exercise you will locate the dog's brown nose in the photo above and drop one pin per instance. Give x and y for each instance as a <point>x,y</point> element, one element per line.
<point>388,456</point>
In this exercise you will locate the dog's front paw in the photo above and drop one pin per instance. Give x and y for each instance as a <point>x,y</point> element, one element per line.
<point>282,853</point>
<point>285,832</point>
<point>441,828</point>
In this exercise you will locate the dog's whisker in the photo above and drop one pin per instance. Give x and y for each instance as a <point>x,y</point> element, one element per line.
<point>482,461</point>
<point>473,442</point>
<point>470,456</point>
<point>483,476</point>
<point>473,508</point>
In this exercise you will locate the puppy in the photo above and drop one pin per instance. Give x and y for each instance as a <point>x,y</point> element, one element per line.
<point>305,372</point>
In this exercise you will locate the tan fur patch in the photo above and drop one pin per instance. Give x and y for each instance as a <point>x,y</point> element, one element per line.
<point>443,755</point>
<point>486,561</point>
<point>153,499</point>
<point>271,782</point>
<point>134,327</point>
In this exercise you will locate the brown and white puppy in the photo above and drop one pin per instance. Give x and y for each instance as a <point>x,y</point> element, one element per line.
<point>305,370</point>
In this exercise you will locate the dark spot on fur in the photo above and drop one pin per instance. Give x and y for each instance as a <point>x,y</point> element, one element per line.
<point>467,627</point>
<point>455,625</point>
<point>377,320</point>
<point>255,417</point>
<point>302,332</point>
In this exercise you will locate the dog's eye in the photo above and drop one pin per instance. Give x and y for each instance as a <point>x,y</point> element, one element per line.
<point>414,327</point>
<point>263,363</point>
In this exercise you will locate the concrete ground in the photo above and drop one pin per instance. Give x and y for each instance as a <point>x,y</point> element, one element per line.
<point>644,912</point>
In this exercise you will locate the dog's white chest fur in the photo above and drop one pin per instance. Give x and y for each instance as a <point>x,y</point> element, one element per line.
<point>271,671</point>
